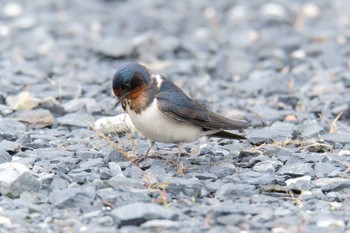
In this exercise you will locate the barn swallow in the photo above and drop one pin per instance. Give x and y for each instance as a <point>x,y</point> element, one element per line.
<point>162,112</point>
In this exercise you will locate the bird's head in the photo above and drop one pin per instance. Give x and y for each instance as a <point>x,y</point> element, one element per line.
<point>129,79</point>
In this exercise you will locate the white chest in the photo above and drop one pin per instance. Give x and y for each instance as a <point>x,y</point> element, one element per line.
<point>158,127</point>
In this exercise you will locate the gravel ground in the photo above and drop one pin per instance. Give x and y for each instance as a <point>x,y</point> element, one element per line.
<point>281,65</point>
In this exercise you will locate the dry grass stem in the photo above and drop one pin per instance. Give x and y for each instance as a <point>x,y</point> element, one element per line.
<point>333,127</point>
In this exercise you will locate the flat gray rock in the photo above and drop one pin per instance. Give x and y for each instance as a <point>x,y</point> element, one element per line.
<point>10,128</point>
<point>231,191</point>
<point>73,197</point>
<point>278,131</point>
<point>112,47</point>
<point>190,187</point>
<point>137,213</point>
<point>296,169</point>
<point>75,120</point>
<point>342,137</point>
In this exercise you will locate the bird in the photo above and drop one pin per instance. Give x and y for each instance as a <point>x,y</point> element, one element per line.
<point>162,112</point>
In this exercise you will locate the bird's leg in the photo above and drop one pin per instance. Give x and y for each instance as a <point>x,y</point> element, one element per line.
<point>151,144</point>
<point>180,147</point>
<point>144,157</point>
<point>133,144</point>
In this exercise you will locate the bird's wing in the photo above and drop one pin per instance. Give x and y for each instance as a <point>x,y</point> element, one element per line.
<point>173,102</point>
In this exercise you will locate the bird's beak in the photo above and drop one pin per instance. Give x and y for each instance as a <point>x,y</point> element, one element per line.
<point>121,98</point>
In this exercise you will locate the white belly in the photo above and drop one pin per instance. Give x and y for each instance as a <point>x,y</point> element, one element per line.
<point>158,127</point>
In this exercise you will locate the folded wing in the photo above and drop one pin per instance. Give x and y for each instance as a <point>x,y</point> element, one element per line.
<point>179,106</point>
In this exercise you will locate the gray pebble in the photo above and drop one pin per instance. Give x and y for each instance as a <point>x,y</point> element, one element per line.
<point>190,187</point>
<point>139,213</point>
<point>15,178</point>
<point>267,166</point>
<point>10,128</point>
<point>342,138</point>
<point>9,146</point>
<point>231,191</point>
<point>76,197</point>
<point>4,156</point>
<point>296,169</point>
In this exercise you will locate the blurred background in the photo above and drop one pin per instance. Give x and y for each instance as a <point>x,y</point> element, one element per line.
<point>66,49</point>
<point>281,65</point>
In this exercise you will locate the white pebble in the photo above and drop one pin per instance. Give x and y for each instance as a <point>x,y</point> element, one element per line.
<point>310,10</point>
<point>117,124</point>
<point>12,10</point>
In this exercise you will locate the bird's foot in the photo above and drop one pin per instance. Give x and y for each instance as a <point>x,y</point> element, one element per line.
<point>149,155</point>
<point>139,160</point>
<point>182,154</point>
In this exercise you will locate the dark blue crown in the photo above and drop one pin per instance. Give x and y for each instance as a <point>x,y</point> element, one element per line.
<point>126,71</point>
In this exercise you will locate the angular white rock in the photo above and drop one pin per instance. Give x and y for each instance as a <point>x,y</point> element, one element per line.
<point>117,124</point>
<point>16,178</point>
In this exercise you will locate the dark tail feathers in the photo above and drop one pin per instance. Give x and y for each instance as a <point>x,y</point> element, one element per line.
<point>227,135</point>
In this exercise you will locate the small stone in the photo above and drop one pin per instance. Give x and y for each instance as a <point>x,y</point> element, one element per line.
<point>123,195</point>
<point>312,130</point>
<point>267,166</point>
<point>278,131</point>
<point>300,183</point>
<point>310,10</point>
<point>289,100</point>
<point>138,213</point>
<point>115,169</point>
<point>114,47</point>
<point>158,225</point>
<point>117,124</point>
<point>296,169</point>
<point>344,152</point>
<point>25,22</point>
<point>11,147</point>
<point>5,221</point>
<point>73,197</point>
<point>15,178</point>
<point>75,119</point>
<point>4,156</point>
<point>82,177</point>
<point>230,219</point>
<point>336,196</point>
<point>331,222</point>
<point>39,118</point>
<point>274,10</point>
<point>4,109</point>
<point>295,180</point>
<point>203,176</point>
<point>10,128</point>
<point>76,104</point>
<point>258,178</point>
<point>332,184</point>
<point>23,100</point>
<point>225,208</point>
<point>59,183</point>
<point>109,194</point>
<point>190,187</point>
<point>12,10</point>
<point>341,137</point>
<point>291,118</point>
<point>298,54</point>
<point>326,169</point>
<point>121,181</point>
<point>90,163</point>
<point>229,191</point>
<point>222,168</point>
